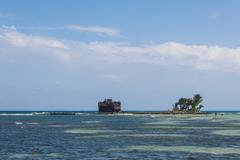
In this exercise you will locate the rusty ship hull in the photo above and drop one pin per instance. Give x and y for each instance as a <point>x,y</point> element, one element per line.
<point>109,106</point>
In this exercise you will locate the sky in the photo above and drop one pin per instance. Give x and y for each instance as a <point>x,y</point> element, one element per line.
<point>70,54</point>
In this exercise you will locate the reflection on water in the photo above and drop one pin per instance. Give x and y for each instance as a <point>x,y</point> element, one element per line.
<point>122,136</point>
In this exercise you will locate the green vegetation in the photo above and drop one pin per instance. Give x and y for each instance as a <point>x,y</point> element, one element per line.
<point>189,105</point>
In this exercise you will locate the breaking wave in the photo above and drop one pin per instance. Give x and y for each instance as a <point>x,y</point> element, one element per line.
<point>23,114</point>
<point>18,123</point>
<point>16,114</point>
<point>91,121</point>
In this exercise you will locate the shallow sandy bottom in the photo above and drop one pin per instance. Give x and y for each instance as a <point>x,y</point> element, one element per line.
<point>87,131</point>
<point>94,136</point>
<point>184,127</point>
<point>227,132</point>
<point>191,149</point>
<point>164,123</point>
<point>136,135</point>
<point>92,131</point>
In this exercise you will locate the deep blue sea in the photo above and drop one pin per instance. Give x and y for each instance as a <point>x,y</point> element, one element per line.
<point>93,136</point>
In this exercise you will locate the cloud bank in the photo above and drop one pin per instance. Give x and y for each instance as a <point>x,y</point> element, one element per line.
<point>21,45</point>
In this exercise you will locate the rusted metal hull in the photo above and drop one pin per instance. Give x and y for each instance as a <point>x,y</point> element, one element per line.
<point>109,106</point>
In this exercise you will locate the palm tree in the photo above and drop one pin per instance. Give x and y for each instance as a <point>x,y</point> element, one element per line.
<point>183,104</point>
<point>189,104</point>
<point>196,101</point>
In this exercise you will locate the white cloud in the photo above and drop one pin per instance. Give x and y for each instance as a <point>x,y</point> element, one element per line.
<point>12,36</point>
<point>107,31</point>
<point>17,42</point>
<point>96,29</point>
<point>13,42</point>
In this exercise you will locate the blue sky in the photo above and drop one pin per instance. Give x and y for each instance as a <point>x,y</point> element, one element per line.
<point>69,54</point>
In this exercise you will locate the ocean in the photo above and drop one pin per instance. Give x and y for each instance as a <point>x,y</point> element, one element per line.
<point>93,136</point>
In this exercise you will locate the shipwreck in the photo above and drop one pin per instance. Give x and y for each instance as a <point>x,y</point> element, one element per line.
<point>108,105</point>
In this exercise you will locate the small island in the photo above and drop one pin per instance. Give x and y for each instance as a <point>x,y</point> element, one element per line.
<point>188,105</point>
<point>183,106</point>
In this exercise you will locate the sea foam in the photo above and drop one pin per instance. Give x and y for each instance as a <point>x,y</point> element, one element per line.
<point>18,123</point>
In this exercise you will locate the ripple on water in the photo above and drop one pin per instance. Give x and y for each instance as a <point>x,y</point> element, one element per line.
<point>235,124</point>
<point>60,125</point>
<point>33,123</point>
<point>227,132</point>
<point>92,131</point>
<point>230,117</point>
<point>201,118</point>
<point>84,131</point>
<point>154,135</point>
<point>182,127</point>
<point>137,135</point>
<point>163,122</point>
<point>192,149</point>
<point>27,155</point>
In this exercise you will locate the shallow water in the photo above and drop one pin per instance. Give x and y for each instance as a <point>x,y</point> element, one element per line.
<point>92,136</point>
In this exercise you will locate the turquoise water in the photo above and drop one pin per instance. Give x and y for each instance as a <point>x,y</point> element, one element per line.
<point>88,135</point>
